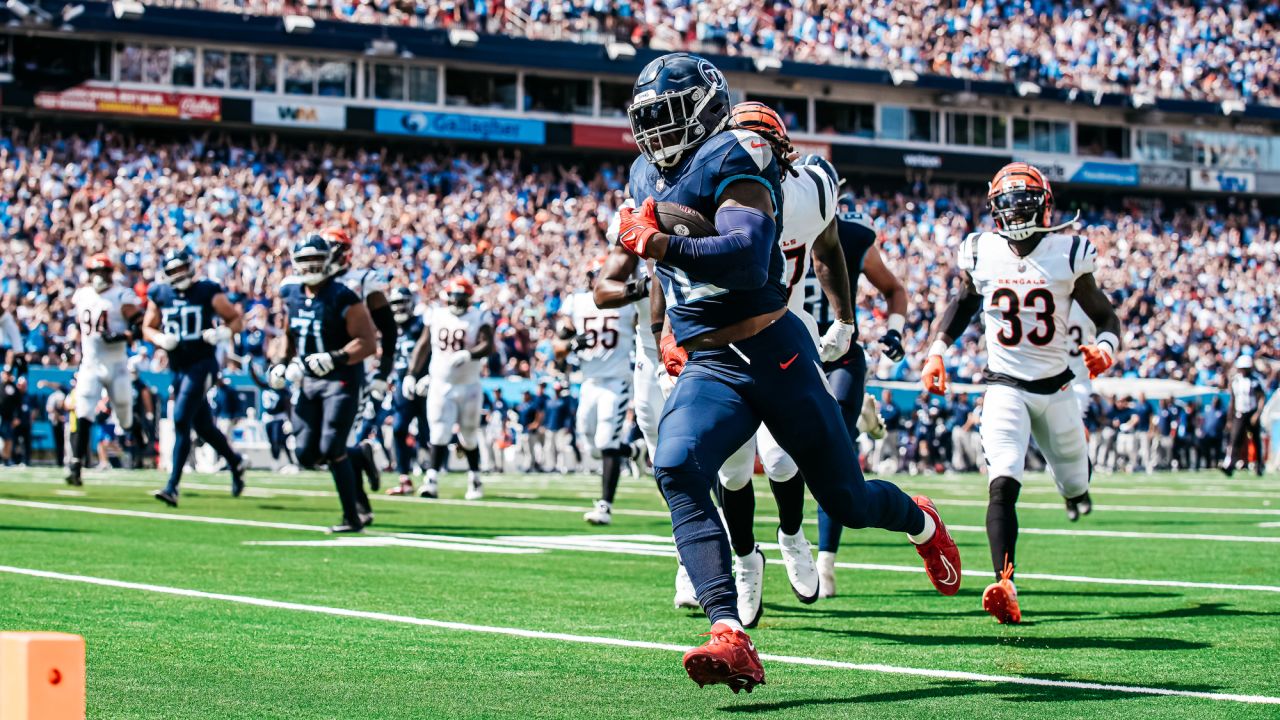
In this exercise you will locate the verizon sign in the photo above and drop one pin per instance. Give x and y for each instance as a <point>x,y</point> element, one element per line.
<point>300,114</point>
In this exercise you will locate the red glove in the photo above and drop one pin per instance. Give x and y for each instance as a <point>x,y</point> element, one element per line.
<point>934,375</point>
<point>636,228</point>
<point>1097,358</point>
<point>673,356</point>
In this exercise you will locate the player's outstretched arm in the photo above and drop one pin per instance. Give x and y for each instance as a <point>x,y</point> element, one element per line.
<point>833,272</point>
<point>616,285</point>
<point>1100,355</point>
<point>230,312</point>
<point>384,321</point>
<point>484,343</point>
<point>360,328</point>
<point>954,321</point>
<point>895,295</point>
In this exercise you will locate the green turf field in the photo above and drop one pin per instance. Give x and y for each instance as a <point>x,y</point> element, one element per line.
<point>512,607</point>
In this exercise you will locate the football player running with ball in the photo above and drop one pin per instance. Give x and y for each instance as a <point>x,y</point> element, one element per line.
<point>180,321</point>
<point>749,359</point>
<point>455,340</point>
<point>1024,278</point>
<point>329,334</point>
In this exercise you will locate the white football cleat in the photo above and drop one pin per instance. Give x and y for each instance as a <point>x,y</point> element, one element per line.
<point>429,489</point>
<point>475,489</point>
<point>826,574</point>
<point>601,514</point>
<point>748,578</point>
<point>797,556</point>
<point>686,597</point>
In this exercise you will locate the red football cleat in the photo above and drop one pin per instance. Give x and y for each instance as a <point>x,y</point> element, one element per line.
<point>1000,599</point>
<point>941,556</point>
<point>728,658</point>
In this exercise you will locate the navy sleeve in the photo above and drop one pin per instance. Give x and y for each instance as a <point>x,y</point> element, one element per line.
<point>736,260</point>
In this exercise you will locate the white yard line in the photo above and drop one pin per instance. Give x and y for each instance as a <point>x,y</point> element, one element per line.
<point>644,545</point>
<point>638,644</point>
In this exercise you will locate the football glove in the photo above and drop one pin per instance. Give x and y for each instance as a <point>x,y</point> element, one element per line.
<point>869,420</point>
<point>277,376</point>
<point>673,356</point>
<point>215,335</point>
<point>320,364</point>
<point>459,358</point>
<point>934,375</point>
<point>377,389</point>
<point>636,228</point>
<point>165,341</point>
<point>1097,358</point>
<point>891,345</point>
<point>421,385</point>
<point>407,387</point>
<point>836,340</point>
<point>293,372</point>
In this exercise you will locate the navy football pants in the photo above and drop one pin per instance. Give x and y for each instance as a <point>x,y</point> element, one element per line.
<point>406,411</point>
<point>717,405</point>
<point>848,379</point>
<point>191,411</point>
<point>323,415</point>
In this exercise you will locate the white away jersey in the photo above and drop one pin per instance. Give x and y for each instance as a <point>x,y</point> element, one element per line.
<point>1026,300</point>
<point>1080,331</point>
<point>451,334</point>
<point>808,207</point>
<point>101,314</point>
<point>608,336</point>
<point>646,344</point>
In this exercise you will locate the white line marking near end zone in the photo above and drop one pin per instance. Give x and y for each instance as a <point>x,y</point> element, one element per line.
<point>379,541</point>
<point>640,644</point>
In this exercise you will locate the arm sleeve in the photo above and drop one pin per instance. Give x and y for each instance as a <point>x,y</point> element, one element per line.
<point>737,259</point>
<point>385,321</point>
<point>1084,256</point>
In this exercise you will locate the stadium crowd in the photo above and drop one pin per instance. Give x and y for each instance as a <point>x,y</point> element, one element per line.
<point>1195,286</point>
<point>1197,50</point>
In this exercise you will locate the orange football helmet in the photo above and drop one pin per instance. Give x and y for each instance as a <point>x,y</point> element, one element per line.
<point>1020,201</point>
<point>340,241</point>
<point>459,291</point>
<point>99,262</point>
<point>758,117</point>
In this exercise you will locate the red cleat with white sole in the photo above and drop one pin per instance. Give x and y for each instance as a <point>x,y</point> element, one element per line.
<point>728,658</point>
<point>941,556</point>
<point>1000,599</point>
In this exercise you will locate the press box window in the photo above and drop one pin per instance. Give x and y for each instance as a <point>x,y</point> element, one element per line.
<point>1106,141</point>
<point>899,123</point>
<point>793,111</point>
<point>1042,135</point>
<point>557,95</point>
<point>977,129</point>
<point>480,89</point>
<point>614,98</point>
<point>839,118</point>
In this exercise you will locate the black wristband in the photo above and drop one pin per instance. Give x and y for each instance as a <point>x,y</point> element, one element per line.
<point>340,357</point>
<point>656,327</point>
<point>636,288</point>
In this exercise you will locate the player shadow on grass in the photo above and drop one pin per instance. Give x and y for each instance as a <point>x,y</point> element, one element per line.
<point>1198,610</point>
<point>36,528</point>
<point>1028,643</point>
<point>1004,692</point>
<point>785,611</point>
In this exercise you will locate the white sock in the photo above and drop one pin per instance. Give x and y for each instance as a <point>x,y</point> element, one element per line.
<point>927,533</point>
<point>731,624</point>
<point>473,476</point>
<point>431,475</point>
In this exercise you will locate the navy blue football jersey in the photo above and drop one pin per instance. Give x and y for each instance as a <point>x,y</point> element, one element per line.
<point>694,305</point>
<point>185,314</point>
<point>406,340</point>
<point>317,323</point>
<point>857,236</point>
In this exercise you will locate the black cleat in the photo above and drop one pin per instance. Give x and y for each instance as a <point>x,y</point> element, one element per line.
<point>345,527</point>
<point>370,465</point>
<point>237,476</point>
<point>73,474</point>
<point>166,497</point>
<point>1077,506</point>
<point>366,519</point>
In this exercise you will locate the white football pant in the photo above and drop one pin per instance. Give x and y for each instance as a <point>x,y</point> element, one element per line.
<point>602,413</point>
<point>450,405</point>
<point>92,378</point>
<point>1011,416</point>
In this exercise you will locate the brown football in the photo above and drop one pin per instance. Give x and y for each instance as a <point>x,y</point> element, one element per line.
<point>677,219</point>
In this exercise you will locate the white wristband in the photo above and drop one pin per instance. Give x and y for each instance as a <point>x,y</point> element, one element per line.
<point>938,348</point>
<point>1112,342</point>
<point>897,322</point>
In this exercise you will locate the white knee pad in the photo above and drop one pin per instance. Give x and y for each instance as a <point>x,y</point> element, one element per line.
<point>778,465</point>
<point>736,472</point>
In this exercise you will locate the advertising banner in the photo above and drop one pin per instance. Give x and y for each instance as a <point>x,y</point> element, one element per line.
<point>605,137</point>
<point>1162,176</point>
<point>299,114</point>
<point>1223,181</point>
<point>142,103</point>
<point>460,127</point>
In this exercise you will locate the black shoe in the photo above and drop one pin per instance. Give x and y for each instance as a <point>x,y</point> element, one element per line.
<point>166,497</point>
<point>1077,506</point>
<point>237,476</point>
<point>345,527</point>
<point>371,466</point>
<point>366,519</point>
<point>1227,470</point>
<point>73,474</point>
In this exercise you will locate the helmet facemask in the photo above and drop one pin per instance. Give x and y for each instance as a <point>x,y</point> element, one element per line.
<point>100,279</point>
<point>665,126</point>
<point>1020,214</point>
<point>311,260</point>
<point>176,274</point>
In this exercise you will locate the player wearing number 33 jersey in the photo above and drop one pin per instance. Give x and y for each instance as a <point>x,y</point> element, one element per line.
<point>1024,278</point>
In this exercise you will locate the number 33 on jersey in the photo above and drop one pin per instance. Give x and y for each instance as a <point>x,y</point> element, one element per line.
<point>1026,300</point>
